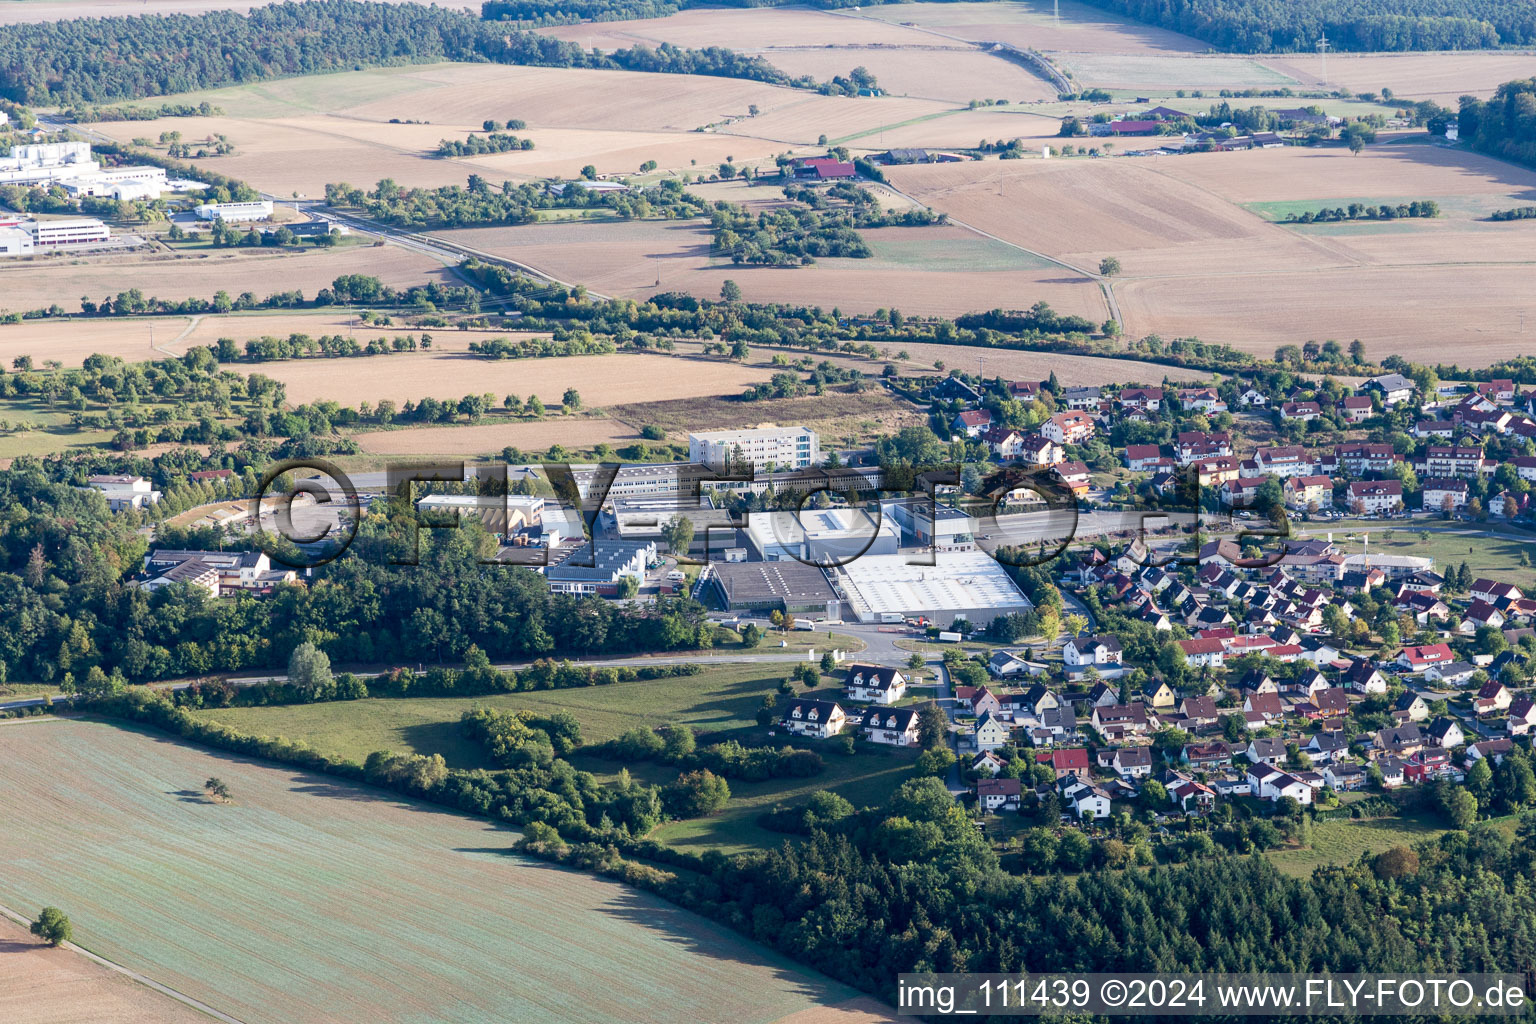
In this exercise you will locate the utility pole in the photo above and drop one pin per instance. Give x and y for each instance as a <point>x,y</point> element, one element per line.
<point>1322,48</point>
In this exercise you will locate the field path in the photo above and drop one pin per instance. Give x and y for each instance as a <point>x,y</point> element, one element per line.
<point>192,323</point>
<point>180,997</point>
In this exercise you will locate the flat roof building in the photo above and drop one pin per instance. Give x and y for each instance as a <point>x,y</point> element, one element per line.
<point>779,447</point>
<point>232,213</point>
<point>825,536</point>
<point>767,586</point>
<point>968,585</point>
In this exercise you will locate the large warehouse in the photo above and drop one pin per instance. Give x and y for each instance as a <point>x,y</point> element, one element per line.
<point>791,587</point>
<point>826,536</point>
<point>968,585</point>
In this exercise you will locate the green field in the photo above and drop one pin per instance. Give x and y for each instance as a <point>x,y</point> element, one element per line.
<point>1484,554</point>
<point>722,700</point>
<point>1153,71</point>
<point>310,899</point>
<point>956,255</point>
<point>720,704</point>
<point>1343,841</point>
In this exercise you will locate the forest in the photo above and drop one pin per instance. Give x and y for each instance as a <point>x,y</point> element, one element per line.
<point>1504,125</point>
<point>91,61</point>
<point>823,225</point>
<point>1291,26</point>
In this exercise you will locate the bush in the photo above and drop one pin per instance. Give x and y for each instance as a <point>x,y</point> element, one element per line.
<point>696,794</point>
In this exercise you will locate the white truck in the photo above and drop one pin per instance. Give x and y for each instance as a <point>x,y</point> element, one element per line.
<point>803,624</point>
<point>891,617</point>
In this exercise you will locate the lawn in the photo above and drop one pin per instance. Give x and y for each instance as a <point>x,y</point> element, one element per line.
<point>1449,544</point>
<point>1343,841</point>
<point>309,899</point>
<point>720,700</point>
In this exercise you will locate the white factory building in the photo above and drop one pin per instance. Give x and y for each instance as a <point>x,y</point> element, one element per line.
<point>235,213</point>
<point>968,585</point>
<point>135,182</point>
<point>780,447</point>
<point>828,536</point>
<point>71,165</point>
<point>24,237</point>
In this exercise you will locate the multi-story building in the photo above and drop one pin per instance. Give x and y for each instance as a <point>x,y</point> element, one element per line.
<point>1360,459</point>
<point>1441,494</point>
<point>1068,428</point>
<point>1466,462</point>
<point>68,231</point>
<point>779,447</point>
<point>1302,492</point>
<point>1375,496</point>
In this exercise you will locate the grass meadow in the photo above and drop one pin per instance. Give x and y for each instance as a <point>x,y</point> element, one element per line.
<point>309,899</point>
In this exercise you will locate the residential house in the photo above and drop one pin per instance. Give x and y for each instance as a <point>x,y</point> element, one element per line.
<point>1147,399</point>
<point>1400,740</point>
<point>991,731</point>
<point>1416,659</point>
<point>1493,697</point>
<point>1410,707</point>
<point>1121,721</point>
<point>1132,762</point>
<point>1203,653</point>
<point>1495,592</point>
<point>817,719</point>
<point>1444,495</point>
<point>1074,475</point>
<point>987,763</point>
<point>1303,412</point>
<point>1393,388</point>
<point>1327,746</point>
<point>1361,458</point>
<point>1039,451</point>
<point>979,699</point>
<point>1356,408</point>
<point>897,727</point>
<point>1343,777</point>
<point>1284,461</point>
<point>1083,652</point>
<point>994,795</point>
<point>1265,750</point>
<point>1158,694</point>
<point>1522,716</point>
<point>1454,462</point>
<point>1302,493</point>
<point>1494,750</point>
<point>874,684</point>
<point>1215,754</point>
<point>1066,761</point>
<point>1204,400</point>
<point>1199,711</point>
<point>1141,458</point>
<point>1393,774</point>
<point>1068,427</point>
<point>1451,673</point>
<point>971,422</point>
<point>1272,784</point>
<point>1446,732</point>
<point>1373,497</point>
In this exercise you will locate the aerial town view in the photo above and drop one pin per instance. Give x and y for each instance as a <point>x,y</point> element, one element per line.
<point>755,512</point>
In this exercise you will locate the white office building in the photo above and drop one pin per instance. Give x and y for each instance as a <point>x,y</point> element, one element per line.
<point>67,231</point>
<point>779,447</point>
<point>15,242</point>
<point>235,213</point>
<point>134,182</point>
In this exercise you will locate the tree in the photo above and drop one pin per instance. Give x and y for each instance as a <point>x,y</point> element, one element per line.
<point>309,670</point>
<point>52,926</point>
<point>679,535</point>
<point>730,291</point>
<point>1109,266</point>
<point>696,794</point>
<point>217,790</point>
<point>915,662</point>
<point>751,635</point>
<point>932,726</point>
<point>589,172</point>
<point>828,663</point>
<point>1397,862</point>
<point>1075,624</point>
<point>571,400</point>
<point>1457,804</point>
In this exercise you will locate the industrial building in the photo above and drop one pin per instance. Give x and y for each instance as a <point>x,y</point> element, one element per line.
<point>763,587</point>
<point>15,241</point>
<point>828,536</point>
<point>778,447</point>
<point>596,567</point>
<point>968,585</point>
<point>134,182</point>
<point>235,213</point>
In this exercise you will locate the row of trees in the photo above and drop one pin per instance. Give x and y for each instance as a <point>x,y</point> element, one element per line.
<point>480,202</point>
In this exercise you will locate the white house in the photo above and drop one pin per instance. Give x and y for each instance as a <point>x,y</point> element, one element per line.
<point>817,719</point>
<point>1081,652</point>
<point>874,684</point>
<point>1268,783</point>
<point>894,726</point>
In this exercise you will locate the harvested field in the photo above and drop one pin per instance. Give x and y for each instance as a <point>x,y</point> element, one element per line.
<point>44,985</point>
<point>940,71</point>
<point>1400,169</point>
<point>837,415</point>
<point>1394,310</point>
<point>1032,23</point>
<point>41,282</point>
<point>602,380</point>
<point>965,128</point>
<point>70,341</point>
<point>1442,77</point>
<point>1143,72</point>
<point>743,30</point>
<point>1079,210</point>
<point>486,438</point>
<point>390,909</point>
<point>839,118</point>
<point>929,271</point>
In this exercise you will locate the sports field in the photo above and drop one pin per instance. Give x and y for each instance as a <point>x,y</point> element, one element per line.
<point>310,899</point>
